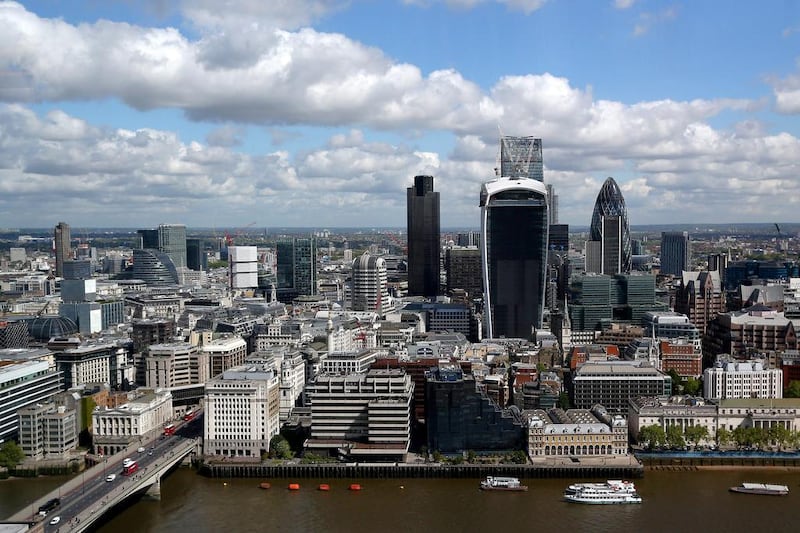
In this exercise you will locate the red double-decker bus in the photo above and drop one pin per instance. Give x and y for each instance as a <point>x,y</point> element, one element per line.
<point>130,468</point>
<point>190,414</point>
<point>169,430</point>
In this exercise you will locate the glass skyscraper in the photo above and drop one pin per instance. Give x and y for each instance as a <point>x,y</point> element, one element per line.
<point>424,248</point>
<point>62,238</point>
<point>514,249</point>
<point>610,232</point>
<point>521,157</point>
<point>296,268</point>
<point>172,241</point>
<point>676,252</point>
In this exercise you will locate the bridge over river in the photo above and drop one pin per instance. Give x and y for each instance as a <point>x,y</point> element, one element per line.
<point>86,497</point>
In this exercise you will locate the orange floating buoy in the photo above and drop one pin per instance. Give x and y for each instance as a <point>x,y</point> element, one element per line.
<point>265,485</point>
<point>355,486</point>
<point>325,487</point>
<point>294,486</point>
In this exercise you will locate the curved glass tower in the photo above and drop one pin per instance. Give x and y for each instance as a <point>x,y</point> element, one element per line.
<point>611,229</point>
<point>514,250</point>
<point>154,267</point>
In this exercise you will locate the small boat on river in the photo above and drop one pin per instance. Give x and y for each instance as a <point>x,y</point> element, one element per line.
<point>502,483</point>
<point>765,489</point>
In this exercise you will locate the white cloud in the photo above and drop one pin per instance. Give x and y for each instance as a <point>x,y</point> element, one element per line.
<point>623,4</point>
<point>648,20</point>
<point>787,93</point>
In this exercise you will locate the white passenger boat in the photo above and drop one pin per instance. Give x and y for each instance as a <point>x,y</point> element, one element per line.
<point>611,492</point>
<point>502,483</point>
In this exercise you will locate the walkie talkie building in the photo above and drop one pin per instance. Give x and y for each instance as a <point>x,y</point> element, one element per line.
<point>514,249</point>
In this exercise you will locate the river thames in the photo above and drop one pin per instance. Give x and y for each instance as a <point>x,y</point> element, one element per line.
<point>673,501</point>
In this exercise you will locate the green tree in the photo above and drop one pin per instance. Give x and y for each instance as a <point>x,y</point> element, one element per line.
<point>279,448</point>
<point>779,435</point>
<point>11,454</point>
<point>652,436</point>
<point>471,455</point>
<point>695,434</point>
<point>676,381</point>
<point>724,437</point>
<point>675,437</point>
<point>563,401</point>
<point>792,390</point>
<point>692,386</point>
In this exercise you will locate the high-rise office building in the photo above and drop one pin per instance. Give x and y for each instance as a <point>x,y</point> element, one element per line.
<point>514,250</point>
<point>611,231</point>
<point>196,258</point>
<point>552,205</point>
<point>463,267</point>
<point>172,241</point>
<point>521,157</point>
<point>148,238</point>
<point>423,237</point>
<point>370,284</point>
<point>296,264</point>
<point>676,252</point>
<point>154,267</point>
<point>62,246</point>
<point>243,267</point>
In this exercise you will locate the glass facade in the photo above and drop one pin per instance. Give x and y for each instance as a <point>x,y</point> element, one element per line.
<point>521,157</point>
<point>423,238</point>
<point>613,234</point>
<point>514,224</point>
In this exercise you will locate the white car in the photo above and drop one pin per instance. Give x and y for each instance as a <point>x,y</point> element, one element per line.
<point>55,520</point>
<point>111,477</point>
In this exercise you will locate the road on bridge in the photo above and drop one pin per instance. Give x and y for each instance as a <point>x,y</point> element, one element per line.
<point>89,492</point>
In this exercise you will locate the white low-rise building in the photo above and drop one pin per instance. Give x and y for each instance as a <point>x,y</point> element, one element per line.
<point>114,429</point>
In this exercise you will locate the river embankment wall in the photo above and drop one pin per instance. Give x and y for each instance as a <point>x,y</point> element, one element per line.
<point>404,470</point>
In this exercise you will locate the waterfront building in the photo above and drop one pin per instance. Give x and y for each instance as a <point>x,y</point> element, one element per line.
<point>361,416</point>
<point>666,411</point>
<point>62,237</point>
<point>461,415</point>
<point>370,285</point>
<point>701,297</point>
<point>116,428</point>
<point>742,379</point>
<point>242,407</point>
<point>676,252</point>
<point>463,269</point>
<point>612,383</point>
<point>27,377</point>
<point>514,252</point>
<point>608,250</point>
<point>424,248</point>
<point>224,353</point>
<point>175,364</point>
<point>727,414</point>
<point>576,432</point>
<point>47,430</point>
<point>757,329</point>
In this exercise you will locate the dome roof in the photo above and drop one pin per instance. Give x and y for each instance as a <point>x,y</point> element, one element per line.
<point>43,328</point>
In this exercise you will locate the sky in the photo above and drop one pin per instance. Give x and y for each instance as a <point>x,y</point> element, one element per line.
<point>319,113</point>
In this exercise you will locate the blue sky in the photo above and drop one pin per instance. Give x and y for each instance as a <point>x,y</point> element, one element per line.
<point>320,112</point>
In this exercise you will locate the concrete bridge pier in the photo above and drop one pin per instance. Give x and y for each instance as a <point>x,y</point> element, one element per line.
<point>154,491</point>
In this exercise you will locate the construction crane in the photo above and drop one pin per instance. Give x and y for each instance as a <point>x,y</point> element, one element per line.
<point>238,233</point>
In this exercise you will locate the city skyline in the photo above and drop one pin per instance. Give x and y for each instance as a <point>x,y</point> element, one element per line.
<point>320,113</point>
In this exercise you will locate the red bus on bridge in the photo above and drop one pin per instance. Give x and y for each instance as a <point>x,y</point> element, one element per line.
<point>169,429</point>
<point>190,414</point>
<point>130,468</point>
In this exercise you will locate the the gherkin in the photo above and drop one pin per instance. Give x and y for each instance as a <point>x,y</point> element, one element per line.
<point>610,203</point>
